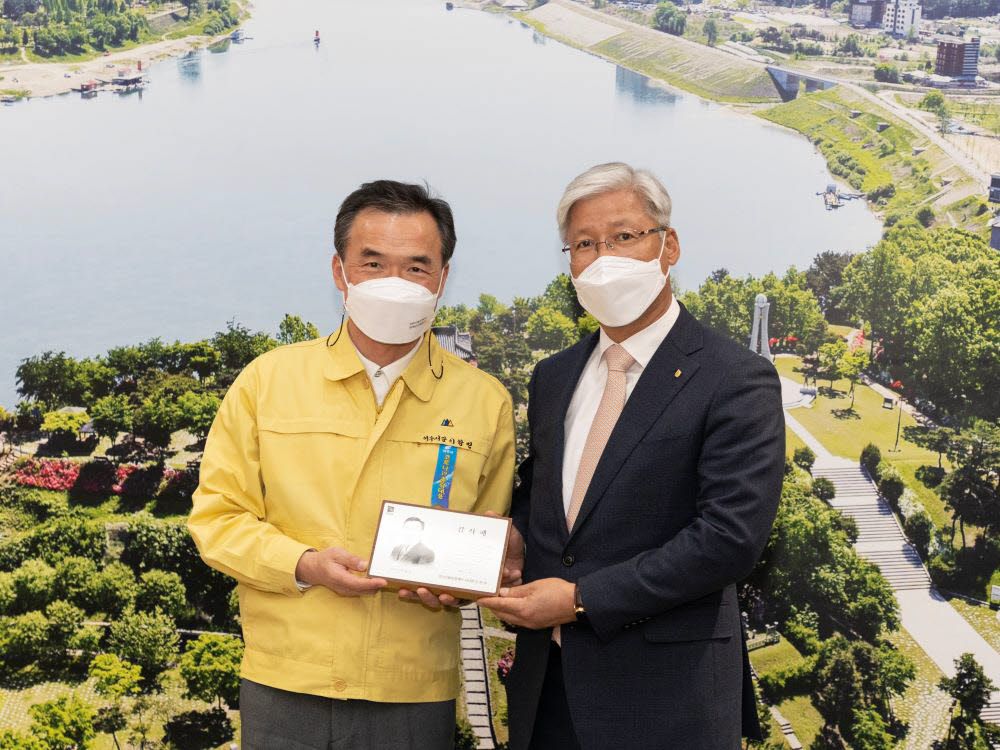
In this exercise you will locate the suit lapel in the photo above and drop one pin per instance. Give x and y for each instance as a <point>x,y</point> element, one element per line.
<point>567,378</point>
<point>661,380</point>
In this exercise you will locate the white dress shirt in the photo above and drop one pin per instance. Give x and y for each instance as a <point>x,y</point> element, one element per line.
<point>384,377</point>
<point>590,388</point>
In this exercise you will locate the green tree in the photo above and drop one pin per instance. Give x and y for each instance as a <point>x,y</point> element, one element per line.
<point>66,723</point>
<point>156,419</point>
<point>886,73</point>
<point>831,358</point>
<point>550,330</point>
<point>970,688</point>
<point>804,458</point>
<point>112,415</point>
<point>972,488</point>
<point>293,329</point>
<point>711,31</point>
<point>823,277</point>
<point>197,411</point>
<point>115,681</point>
<point>64,424</point>
<point>238,346</point>
<point>146,639</point>
<point>668,18</point>
<point>851,365</point>
<point>211,669</point>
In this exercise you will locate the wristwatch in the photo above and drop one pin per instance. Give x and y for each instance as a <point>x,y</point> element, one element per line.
<point>578,609</point>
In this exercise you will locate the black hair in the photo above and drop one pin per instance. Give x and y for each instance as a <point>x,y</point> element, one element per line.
<point>395,198</point>
<point>414,518</point>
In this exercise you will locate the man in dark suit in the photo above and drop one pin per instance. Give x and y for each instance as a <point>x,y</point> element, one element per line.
<point>652,481</point>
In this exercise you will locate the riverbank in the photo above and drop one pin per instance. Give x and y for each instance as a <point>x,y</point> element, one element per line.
<point>901,170</point>
<point>696,68</point>
<point>33,79</point>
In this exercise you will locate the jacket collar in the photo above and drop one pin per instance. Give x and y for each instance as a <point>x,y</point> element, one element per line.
<point>342,362</point>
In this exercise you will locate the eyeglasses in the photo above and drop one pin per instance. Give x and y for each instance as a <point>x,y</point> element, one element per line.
<point>620,243</point>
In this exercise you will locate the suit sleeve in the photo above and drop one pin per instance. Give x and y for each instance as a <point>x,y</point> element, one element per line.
<point>497,476</point>
<point>740,470</point>
<point>520,509</point>
<point>227,519</point>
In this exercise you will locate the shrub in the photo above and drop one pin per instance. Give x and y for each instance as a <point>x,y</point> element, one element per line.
<point>198,730</point>
<point>919,530</point>
<point>74,581</point>
<point>114,589</point>
<point>163,591</point>
<point>68,536</point>
<point>804,457</point>
<point>871,456</point>
<point>95,480</point>
<point>890,484</point>
<point>148,640</point>
<point>824,489</point>
<point>33,585</point>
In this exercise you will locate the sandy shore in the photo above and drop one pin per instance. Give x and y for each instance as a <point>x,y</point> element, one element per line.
<point>48,79</point>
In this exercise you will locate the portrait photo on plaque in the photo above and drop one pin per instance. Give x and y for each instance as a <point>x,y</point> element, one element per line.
<point>441,549</point>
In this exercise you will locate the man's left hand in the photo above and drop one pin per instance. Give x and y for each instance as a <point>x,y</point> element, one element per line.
<point>539,604</point>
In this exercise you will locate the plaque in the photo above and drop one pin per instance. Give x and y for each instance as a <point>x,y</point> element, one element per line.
<point>443,550</point>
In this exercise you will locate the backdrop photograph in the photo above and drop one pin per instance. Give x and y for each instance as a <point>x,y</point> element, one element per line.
<point>704,295</point>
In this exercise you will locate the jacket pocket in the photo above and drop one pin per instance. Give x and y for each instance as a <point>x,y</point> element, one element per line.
<point>692,623</point>
<point>410,471</point>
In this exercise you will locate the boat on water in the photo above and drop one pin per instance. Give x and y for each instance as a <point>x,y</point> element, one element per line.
<point>238,36</point>
<point>7,99</point>
<point>316,38</point>
<point>831,198</point>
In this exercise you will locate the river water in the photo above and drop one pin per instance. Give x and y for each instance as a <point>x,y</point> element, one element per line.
<point>211,195</point>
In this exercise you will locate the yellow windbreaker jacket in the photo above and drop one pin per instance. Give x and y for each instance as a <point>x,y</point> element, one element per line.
<point>298,457</point>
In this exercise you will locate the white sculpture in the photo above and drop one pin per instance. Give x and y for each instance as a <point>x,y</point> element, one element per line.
<point>759,343</point>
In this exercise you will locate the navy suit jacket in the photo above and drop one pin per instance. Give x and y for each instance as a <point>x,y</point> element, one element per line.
<point>678,511</point>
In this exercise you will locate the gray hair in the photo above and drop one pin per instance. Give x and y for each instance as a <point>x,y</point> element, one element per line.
<point>615,175</point>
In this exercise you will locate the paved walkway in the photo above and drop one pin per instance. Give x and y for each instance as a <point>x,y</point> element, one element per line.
<point>477,686</point>
<point>926,615</point>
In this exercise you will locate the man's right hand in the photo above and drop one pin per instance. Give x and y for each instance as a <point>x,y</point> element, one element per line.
<point>513,563</point>
<point>337,569</point>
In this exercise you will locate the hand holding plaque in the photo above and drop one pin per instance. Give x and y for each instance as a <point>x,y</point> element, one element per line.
<point>445,551</point>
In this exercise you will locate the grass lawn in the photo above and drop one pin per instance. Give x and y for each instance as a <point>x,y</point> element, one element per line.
<point>844,433</point>
<point>923,706</point>
<point>982,618</point>
<point>14,705</point>
<point>792,442</point>
<point>800,712</point>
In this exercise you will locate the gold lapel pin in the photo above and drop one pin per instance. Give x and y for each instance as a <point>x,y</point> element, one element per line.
<point>677,373</point>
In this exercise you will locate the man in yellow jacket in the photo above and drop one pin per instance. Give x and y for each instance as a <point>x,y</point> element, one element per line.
<point>308,442</point>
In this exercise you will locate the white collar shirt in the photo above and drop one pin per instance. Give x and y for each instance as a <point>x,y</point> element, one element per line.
<point>590,388</point>
<point>384,377</point>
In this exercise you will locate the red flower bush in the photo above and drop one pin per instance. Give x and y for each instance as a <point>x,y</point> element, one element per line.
<point>93,478</point>
<point>48,474</point>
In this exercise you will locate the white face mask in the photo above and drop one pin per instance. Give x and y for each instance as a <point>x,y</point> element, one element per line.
<point>617,290</point>
<point>390,310</point>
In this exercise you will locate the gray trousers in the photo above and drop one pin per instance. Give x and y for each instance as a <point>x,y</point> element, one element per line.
<point>274,719</point>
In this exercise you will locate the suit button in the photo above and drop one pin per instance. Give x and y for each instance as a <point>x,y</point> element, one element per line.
<point>340,686</point>
<point>568,560</point>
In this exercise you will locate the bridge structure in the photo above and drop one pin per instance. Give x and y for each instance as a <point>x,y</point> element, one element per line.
<point>788,82</point>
